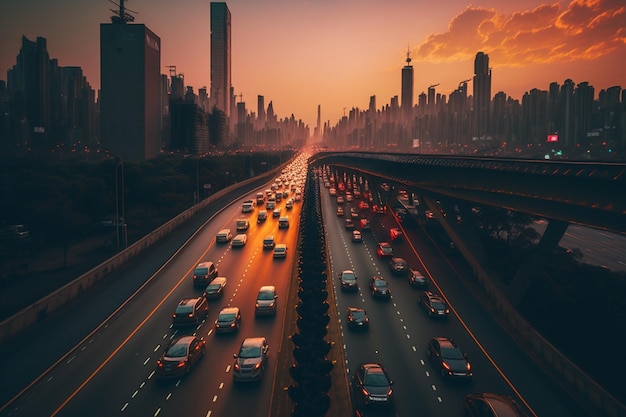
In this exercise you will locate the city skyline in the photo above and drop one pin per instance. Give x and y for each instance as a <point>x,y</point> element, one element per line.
<point>299,55</point>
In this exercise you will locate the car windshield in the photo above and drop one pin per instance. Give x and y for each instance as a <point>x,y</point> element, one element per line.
<point>386,249</point>
<point>250,352</point>
<point>201,271</point>
<point>438,305</point>
<point>358,315</point>
<point>451,353</point>
<point>266,295</point>
<point>279,250</point>
<point>184,309</point>
<point>348,277</point>
<point>213,287</point>
<point>226,317</point>
<point>376,379</point>
<point>380,283</point>
<point>177,350</point>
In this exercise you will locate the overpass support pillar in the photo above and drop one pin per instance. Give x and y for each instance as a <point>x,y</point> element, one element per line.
<point>527,273</point>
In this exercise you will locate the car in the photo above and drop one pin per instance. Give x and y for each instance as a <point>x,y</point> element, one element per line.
<point>398,266</point>
<point>261,216</point>
<point>289,204</point>
<point>488,404</point>
<point>239,240</point>
<point>340,200</point>
<point>395,234</point>
<point>223,236</point>
<point>180,356</point>
<point>228,320</point>
<point>378,209</point>
<point>384,250</point>
<point>332,191</point>
<point>266,301</point>
<point>417,279</point>
<point>348,280</point>
<point>379,287</point>
<point>448,358</point>
<point>357,318</point>
<point>340,211</point>
<point>251,359</point>
<point>434,304</point>
<point>190,311</point>
<point>268,242</point>
<point>283,222</point>
<point>248,206</point>
<point>354,213</point>
<point>349,224</point>
<point>271,204</point>
<point>365,224</point>
<point>204,273</point>
<point>349,197</point>
<point>372,386</point>
<point>356,236</point>
<point>242,225</point>
<point>363,205</point>
<point>260,199</point>
<point>276,213</point>
<point>280,250</point>
<point>215,289</point>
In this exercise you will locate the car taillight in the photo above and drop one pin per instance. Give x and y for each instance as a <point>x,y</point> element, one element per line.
<point>190,315</point>
<point>236,366</point>
<point>159,363</point>
<point>257,366</point>
<point>445,365</point>
<point>469,366</point>
<point>181,364</point>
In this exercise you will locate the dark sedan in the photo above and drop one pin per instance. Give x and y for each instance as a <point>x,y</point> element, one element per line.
<point>434,304</point>
<point>379,288</point>
<point>398,266</point>
<point>372,385</point>
<point>180,356</point>
<point>228,320</point>
<point>357,318</point>
<point>447,356</point>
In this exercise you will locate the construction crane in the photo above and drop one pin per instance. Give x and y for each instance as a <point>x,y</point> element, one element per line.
<point>122,15</point>
<point>464,82</point>
<point>172,69</point>
<point>433,86</point>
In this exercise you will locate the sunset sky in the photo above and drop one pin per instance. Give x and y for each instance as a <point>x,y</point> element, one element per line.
<point>338,53</point>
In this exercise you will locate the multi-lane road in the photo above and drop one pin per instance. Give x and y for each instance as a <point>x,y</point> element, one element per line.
<point>400,329</point>
<point>111,371</point>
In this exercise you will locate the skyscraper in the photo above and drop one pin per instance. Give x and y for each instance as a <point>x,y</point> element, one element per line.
<point>407,86</point>
<point>130,80</point>
<point>220,57</point>
<point>482,95</point>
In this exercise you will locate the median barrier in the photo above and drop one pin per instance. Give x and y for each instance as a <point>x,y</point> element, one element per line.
<point>41,308</point>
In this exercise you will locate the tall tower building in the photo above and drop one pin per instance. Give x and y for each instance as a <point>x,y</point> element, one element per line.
<point>482,95</point>
<point>260,109</point>
<point>130,80</point>
<point>220,57</point>
<point>407,86</point>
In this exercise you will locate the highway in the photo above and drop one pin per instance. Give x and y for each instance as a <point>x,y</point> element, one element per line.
<point>112,371</point>
<point>400,329</point>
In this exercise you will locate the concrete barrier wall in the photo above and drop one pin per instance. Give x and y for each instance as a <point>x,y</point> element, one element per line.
<point>30,315</point>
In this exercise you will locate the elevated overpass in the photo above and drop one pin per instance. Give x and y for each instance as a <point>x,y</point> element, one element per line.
<point>587,193</point>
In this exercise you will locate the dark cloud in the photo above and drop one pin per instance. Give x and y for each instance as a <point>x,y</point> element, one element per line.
<point>585,30</point>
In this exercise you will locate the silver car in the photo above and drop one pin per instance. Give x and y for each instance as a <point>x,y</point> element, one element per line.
<point>251,359</point>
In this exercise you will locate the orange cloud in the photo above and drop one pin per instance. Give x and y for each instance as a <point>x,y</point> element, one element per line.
<point>585,30</point>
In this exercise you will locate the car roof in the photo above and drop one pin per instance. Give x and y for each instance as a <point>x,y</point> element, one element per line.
<point>354,309</point>
<point>267,288</point>
<point>229,310</point>
<point>188,301</point>
<point>218,280</point>
<point>253,341</point>
<point>183,340</point>
<point>384,244</point>
<point>445,342</point>
<point>280,245</point>
<point>204,264</point>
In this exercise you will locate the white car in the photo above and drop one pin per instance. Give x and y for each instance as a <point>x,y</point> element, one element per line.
<point>240,240</point>
<point>280,250</point>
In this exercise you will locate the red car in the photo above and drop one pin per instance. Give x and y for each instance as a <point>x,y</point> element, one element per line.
<point>384,250</point>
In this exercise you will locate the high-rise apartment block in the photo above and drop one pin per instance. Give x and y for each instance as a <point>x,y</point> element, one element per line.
<point>221,57</point>
<point>407,87</point>
<point>482,95</point>
<point>130,80</point>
